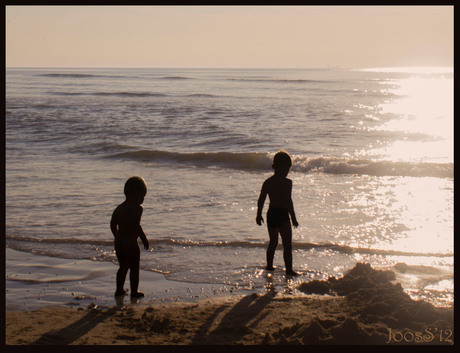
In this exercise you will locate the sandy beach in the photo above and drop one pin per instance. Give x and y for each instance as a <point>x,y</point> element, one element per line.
<point>364,307</point>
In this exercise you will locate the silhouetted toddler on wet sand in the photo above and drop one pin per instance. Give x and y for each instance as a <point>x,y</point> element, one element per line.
<point>126,228</point>
<point>278,188</point>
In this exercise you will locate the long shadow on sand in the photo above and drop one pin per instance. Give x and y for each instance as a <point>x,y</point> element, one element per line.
<point>71,333</point>
<point>236,323</point>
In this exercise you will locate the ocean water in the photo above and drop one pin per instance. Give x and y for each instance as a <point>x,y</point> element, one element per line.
<point>372,175</point>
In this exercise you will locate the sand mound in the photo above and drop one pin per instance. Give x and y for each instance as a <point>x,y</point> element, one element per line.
<point>377,306</point>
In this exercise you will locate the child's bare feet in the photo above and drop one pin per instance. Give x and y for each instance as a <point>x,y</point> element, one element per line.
<point>291,273</point>
<point>137,295</point>
<point>121,292</point>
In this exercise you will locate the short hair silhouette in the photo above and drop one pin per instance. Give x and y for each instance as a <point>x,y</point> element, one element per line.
<point>135,185</point>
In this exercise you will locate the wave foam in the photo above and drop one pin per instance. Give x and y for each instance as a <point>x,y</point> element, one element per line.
<point>262,161</point>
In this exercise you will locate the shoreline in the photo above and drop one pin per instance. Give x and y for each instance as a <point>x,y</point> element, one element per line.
<point>364,307</point>
<point>36,281</point>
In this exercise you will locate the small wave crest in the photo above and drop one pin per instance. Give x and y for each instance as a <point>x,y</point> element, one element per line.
<point>75,75</point>
<point>60,279</point>
<point>201,95</point>
<point>262,162</point>
<point>244,161</point>
<point>176,78</point>
<point>15,242</point>
<point>130,94</point>
<point>277,80</point>
<point>116,94</point>
<point>333,165</point>
<point>85,75</point>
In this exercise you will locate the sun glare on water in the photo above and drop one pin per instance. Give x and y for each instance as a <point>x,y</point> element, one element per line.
<point>423,117</point>
<point>418,120</point>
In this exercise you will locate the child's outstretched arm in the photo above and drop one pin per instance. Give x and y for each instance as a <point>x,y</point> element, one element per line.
<point>260,204</point>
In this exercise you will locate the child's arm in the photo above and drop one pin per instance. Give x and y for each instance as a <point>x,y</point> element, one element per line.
<point>291,207</point>
<point>140,231</point>
<point>260,204</point>
<point>143,238</point>
<point>114,224</point>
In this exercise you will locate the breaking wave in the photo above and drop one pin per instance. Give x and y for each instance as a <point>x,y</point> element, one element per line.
<point>262,162</point>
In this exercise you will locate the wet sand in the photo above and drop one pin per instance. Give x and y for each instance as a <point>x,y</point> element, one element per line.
<point>34,281</point>
<point>364,307</point>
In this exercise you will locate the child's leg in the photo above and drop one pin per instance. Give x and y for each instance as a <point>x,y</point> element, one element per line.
<point>122,271</point>
<point>286,237</point>
<point>134,272</point>
<point>134,277</point>
<point>273,233</point>
<point>121,276</point>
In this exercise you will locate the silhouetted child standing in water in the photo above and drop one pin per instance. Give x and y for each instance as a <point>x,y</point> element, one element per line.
<point>126,228</point>
<point>278,188</point>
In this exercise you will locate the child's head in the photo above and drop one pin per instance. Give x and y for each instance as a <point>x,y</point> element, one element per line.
<point>282,161</point>
<point>135,188</point>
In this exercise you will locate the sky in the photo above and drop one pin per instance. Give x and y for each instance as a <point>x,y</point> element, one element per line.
<point>229,36</point>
